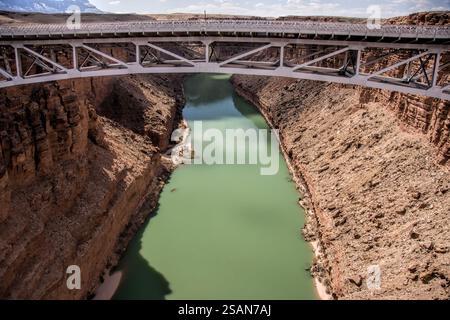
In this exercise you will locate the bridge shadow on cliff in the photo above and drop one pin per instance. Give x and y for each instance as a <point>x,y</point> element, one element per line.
<point>140,280</point>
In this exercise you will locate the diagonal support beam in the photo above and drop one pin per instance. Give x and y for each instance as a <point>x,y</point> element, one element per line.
<point>431,72</point>
<point>243,55</point>
<point>445,65</point>
<point>94,60</point>
<point>334,53</point>
<point>368,63</point>
<point>104,55</point>
<point>38,55</point>
<point>424,70</point>
<point>6,61</point>
<point>6,74</point>
<point>170,53</point>
<point>149,53</point>
<point>312,54</point>
<point>398,64</point>
<point>415,76</point>
<point>40,63</point>
<point>445,88</point>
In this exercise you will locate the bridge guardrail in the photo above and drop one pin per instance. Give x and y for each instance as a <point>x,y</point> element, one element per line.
<point>407,31</point>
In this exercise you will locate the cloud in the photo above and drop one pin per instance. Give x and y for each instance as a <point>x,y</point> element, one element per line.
<point>114,3</point>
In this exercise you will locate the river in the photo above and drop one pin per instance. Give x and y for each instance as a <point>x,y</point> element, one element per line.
<point>221,231</point>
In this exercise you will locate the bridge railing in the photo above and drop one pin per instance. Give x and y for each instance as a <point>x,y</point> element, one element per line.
<point>306,27</point>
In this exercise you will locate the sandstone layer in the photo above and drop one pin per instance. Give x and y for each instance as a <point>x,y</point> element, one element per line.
<point>78,159</point>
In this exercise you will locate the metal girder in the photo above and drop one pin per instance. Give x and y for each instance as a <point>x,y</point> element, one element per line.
<point>445,88</point>
<point>415,57</point>
<point>6,75</point>
<point>169,53</point>
<point>40,56</point>
<point>104,55</point>
<point>347,72</point>
<point>245,54</point>
<point>332,54</point>
<point>336,43</point>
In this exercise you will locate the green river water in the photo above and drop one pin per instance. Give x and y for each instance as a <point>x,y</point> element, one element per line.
<point>221,231</point>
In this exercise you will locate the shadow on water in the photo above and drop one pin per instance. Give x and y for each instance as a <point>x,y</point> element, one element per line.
<point>140,280</point>
<point>238,249</point>
<point>207,101</point>
<point>206,90</point>
<point>249,111</point>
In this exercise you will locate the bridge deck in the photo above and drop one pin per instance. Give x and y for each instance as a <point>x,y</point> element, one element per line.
<point>416,59</point>
<point>254,28</point>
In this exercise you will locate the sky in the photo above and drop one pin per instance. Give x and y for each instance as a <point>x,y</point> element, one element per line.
<point>274,8</point>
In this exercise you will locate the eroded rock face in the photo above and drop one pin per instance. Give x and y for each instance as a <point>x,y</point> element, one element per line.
<point>428,116</point>
<point>142,100</point>
<point>373,167</point>
<point>378,195</point>
<point>71,182</point>
<point>5,192</point>
<point>422,114</point>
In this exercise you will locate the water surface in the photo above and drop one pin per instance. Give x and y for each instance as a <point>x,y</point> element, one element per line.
<point>221,231</point>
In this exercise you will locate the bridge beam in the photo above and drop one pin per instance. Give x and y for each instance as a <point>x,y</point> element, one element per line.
<point>170,53</point>
<point>436,64</point>
<point>277,66</point>
<point>415,57</point>
<point>104,55</point>
<point>246,54</point>
<point>6,74</point>
<point>40,56</point>
<point>332,54</point>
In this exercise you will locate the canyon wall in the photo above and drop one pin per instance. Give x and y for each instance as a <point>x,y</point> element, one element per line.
<point>373,168</point>
<point>427,116</point>
<point>77,160</point>
<point>376,189</point>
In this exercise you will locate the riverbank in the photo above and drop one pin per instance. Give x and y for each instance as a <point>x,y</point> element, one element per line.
<point>302,186</point>
<point>373,191</point>
<point>78,160</point>
<point>233,229</point>
<point>159,101</point>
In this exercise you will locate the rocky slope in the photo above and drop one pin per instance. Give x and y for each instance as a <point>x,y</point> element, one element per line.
<point>377,190</point>
<point>373,168</point>
<point>72,180</point>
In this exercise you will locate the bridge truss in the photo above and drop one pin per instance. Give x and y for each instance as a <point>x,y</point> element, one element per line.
<point>417,66</point>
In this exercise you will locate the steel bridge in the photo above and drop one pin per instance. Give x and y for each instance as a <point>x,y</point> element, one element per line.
<point>402,58</point>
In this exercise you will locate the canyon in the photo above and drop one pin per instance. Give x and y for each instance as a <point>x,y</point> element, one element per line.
<point>82,164</point>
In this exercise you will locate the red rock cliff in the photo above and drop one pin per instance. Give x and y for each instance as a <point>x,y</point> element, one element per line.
<point>72,181</point>
<point>373,168</point>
